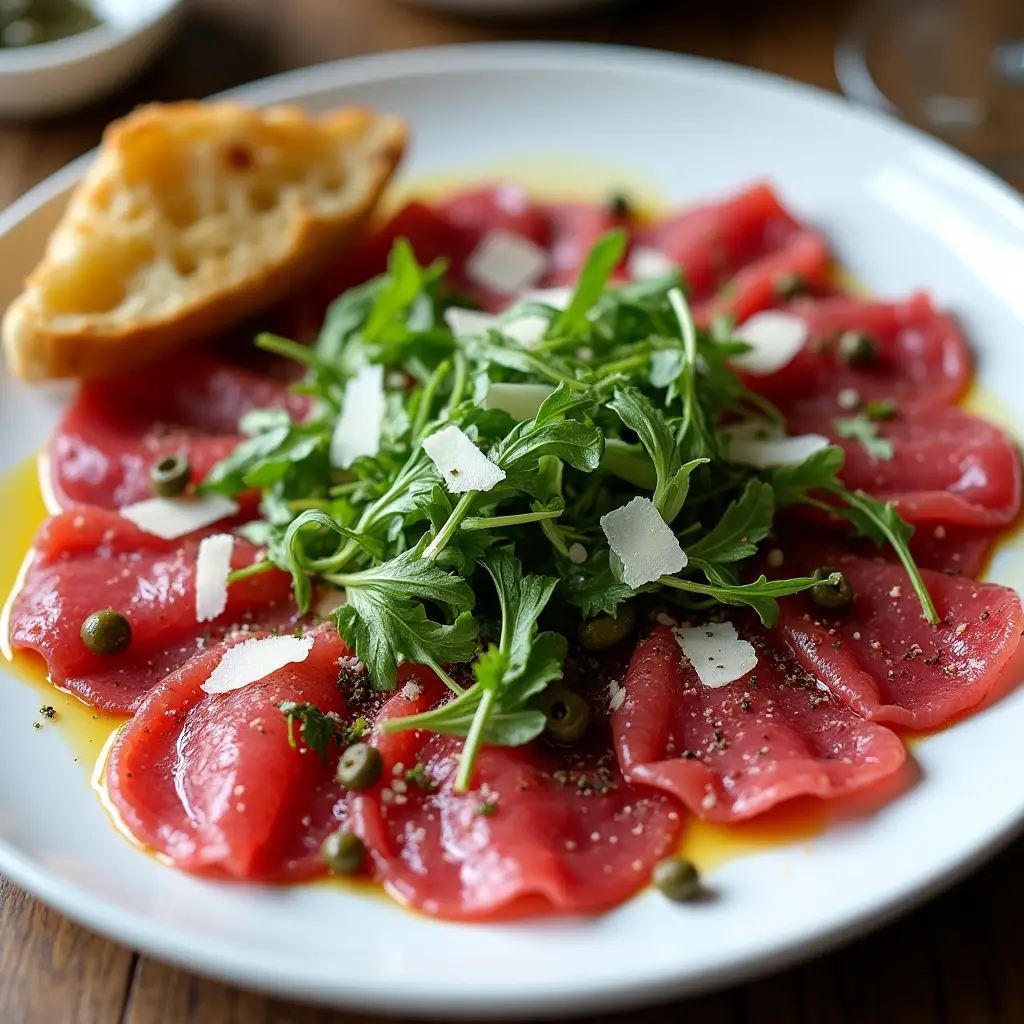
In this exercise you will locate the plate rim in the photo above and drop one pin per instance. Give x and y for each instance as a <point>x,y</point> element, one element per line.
<point>128,927</point>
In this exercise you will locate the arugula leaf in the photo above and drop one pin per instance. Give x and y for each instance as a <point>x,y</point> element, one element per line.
<point>382,619</point>
<point>639,413</point>
<point>277,464</point>
<point>551,432</point>
<point>666,366</point>
<point>566,402</point>
<point>548,487</point>
<point>400,287</point>
<point>793,484</point>
<point>272,442</point>
<point>648,293</point>
<point>507,675</point>
<point>865,431</point>
<point>593,587</point>
<point>302,565</point>
<point>500,522</point>
<point>412,483</point>
<point>299,565</point>
<point>574,443</point>
<point>259,421</point>
<point>629,462</point>
<point>875,519</point>
<point>318,730</point>
<point>384,630</point>
<point>499,350</point>
<point>415,479</point>
<point>694,437</point>
<point>744,524</point>
<point>410,575</point>
<point>382,321</point>
<point>602,260</point>
<point>345,316</point>
<point>626,360</point>
<point>228,476</point>
<point>519,453</point>
<point>761,595</point>
<point>522,599</point>
<point>880,521</point>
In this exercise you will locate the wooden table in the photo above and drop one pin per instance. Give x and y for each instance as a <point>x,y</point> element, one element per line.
<point>956,961</point>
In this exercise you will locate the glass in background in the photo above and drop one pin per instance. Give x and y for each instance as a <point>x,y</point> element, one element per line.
<point>953,67</point>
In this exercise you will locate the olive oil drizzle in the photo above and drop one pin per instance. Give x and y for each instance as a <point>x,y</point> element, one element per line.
<point>85,730</point>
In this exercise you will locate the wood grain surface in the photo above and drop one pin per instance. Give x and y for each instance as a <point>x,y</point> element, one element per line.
<point>955,961</point>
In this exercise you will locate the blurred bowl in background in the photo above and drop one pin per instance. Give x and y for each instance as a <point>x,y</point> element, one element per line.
<point>55,77</point>
<point>505,8</point>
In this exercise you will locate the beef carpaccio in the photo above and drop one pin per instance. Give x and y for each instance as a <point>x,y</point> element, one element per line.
<point>716,697</point>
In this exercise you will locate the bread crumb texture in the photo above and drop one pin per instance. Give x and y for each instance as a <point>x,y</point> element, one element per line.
<point>193,217</point>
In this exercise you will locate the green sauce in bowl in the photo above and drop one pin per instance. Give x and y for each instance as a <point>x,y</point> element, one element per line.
<point>30,22</point>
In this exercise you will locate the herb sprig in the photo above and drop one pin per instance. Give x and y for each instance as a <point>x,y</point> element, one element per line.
<point>317,729</point>
<point>639,402</point>
<point>864,430</point>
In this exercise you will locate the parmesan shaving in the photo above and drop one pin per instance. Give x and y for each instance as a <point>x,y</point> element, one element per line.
<point>469,323</point>
<point>506,263</point>
<point>213,565</point>
<point>556,298</point>
<point>520,401</point>
<point>647,262</point>
<point>170,518</point>
<point>644,543</point>
<point>528,329</point>
<point>762,446</point>
<point>462,465</point>
<point>716,652</point>
<point>253,660</point>
<point>776,338</point>
<point>358,428</point>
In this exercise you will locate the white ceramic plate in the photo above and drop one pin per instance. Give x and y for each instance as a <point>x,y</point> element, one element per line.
<point>902,212</point>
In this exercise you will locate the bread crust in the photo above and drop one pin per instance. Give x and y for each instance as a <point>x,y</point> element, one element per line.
<point>301,229</point>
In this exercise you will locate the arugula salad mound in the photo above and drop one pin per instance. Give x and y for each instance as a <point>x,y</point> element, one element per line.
<point>473,483</point>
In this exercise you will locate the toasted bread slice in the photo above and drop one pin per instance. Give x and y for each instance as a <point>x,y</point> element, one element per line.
<point>192,217</point>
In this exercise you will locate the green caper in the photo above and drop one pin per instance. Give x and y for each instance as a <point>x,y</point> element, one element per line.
<point>881,410</point>
<point>567,715</point>
<point>106,632</point>
<point>676,878</point>
<point>790,286</point>
<point>605,631</point>
<point>833,596</point>
<point>23,32</point>
<point>619,206</point>
<point>858,349</point>
<point>28,22</point>
<point>169,475</point>
<point>360,766</point>
<point>342,852</point>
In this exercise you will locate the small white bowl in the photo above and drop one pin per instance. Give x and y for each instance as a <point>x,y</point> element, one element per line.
<point>53,78</point>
